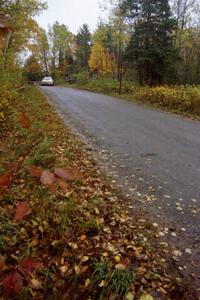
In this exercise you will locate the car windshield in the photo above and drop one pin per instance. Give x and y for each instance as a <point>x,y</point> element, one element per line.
<point>47,78</point>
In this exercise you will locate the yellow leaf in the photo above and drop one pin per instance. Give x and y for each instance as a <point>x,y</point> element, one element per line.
<point>117,258</point>
<point>146,297</point>
<point>129,296</point>
<point>120,267</point>
<point>77,270</point>
<point>102,283</point>
<point>73,245</point>
<point>64,269</point>
<point>83,237</point>
<point>87,282</point>
<point>84,258</point>
<point>36,284</point>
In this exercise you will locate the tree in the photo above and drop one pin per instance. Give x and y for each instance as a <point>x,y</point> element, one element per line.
<point>101,62</point>
<point>151,46</point>
<point>21,14</point>
<point>61,49</point>
<point>43,49</point>
<point>32,69</point>
<point>83,46</point>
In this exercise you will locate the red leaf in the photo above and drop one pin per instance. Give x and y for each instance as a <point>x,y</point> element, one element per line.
<point>6,179</point>
<point>47,178</point>
<point>63,185</point>
<point>68,173</point>
<point>27,266</point>
<point>13,284</point>
<point>12,167</point>
<point>24,120</point>
<point>22,210</point>
<point>34,170</point>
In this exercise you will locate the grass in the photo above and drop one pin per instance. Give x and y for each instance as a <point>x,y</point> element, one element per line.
<point>42,155</point>
<point>120,281</point>
<point>116,281</point>
<point>65,231</point>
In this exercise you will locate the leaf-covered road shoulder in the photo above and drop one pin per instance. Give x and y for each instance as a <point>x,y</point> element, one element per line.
<point>64,233</point>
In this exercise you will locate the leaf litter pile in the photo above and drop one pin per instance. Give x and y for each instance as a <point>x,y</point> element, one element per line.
<point>64,233</point>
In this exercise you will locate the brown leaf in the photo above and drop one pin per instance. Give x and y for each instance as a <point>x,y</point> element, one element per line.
<point>68,173</point>
<point>35,171</point>
<point>24,120</point>
<point>22,210</point>
<point>13,284</point>
<point>3,148</point>
<point>2,263</point>
<point>47,178</point>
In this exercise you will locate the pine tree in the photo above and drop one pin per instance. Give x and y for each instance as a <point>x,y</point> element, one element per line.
<point>151,46</point>
<point>83,41</point>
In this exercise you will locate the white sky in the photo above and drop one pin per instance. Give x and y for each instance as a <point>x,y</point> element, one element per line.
<point>73,13</point>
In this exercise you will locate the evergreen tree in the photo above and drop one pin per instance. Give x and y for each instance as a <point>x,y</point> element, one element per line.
<point>83,41</point>
<point>151,46</point>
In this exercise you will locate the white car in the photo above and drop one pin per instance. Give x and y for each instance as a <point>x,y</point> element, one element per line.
<point>47,81</point>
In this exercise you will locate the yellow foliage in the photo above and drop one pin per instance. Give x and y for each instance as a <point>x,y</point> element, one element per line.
<point>101,62</point>
<point>179,98</point>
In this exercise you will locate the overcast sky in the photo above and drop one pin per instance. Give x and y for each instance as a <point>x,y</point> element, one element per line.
<point>73,13</point>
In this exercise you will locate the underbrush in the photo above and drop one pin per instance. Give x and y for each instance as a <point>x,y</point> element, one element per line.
<point>183,99</point>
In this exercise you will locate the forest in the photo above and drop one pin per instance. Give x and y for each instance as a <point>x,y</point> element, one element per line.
<point>149,44</point>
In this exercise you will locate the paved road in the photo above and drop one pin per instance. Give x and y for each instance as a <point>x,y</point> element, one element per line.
<point>152,154</point>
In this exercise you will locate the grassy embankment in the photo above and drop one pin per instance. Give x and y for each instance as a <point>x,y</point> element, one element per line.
<point>184,100</point>
<point>64,233</point>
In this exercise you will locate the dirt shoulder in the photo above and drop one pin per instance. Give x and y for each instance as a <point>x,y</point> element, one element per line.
<point>64,232</point>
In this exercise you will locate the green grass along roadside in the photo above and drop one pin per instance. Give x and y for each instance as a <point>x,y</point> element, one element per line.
<point>182,100</point>
<point>89,245</point>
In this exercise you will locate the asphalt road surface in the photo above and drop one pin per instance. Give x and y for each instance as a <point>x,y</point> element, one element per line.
<point>152,155</point>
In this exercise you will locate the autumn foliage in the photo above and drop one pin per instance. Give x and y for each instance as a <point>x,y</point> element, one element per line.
<point>63,231</point>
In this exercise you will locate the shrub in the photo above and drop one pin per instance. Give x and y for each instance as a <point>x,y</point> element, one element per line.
<point>177,98</point>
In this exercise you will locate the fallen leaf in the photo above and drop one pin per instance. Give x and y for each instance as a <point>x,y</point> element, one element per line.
<point>84,259</point>
<point>188,251</point>
<point>22,210</point>
<point>24,120</point>
<point>77,270</point>
<point>177,253</point>
<point>73,245</point>
<point>6,179</point>
<point>27,266</point>
<point>13,284</point>
<point>117,258</point>
<point>36,284</point>
<point>47,178</point>
<point>83,237</point>
<point>102,283</point>
<point>63,185</point>
<point>120,267</point>
<point>129,296</point>
<point>146,297</point>
<point>64,269</point>
<point>34,171</point>
<point>2,263</point>
<point>68,173</point>
<point>87,282</point>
